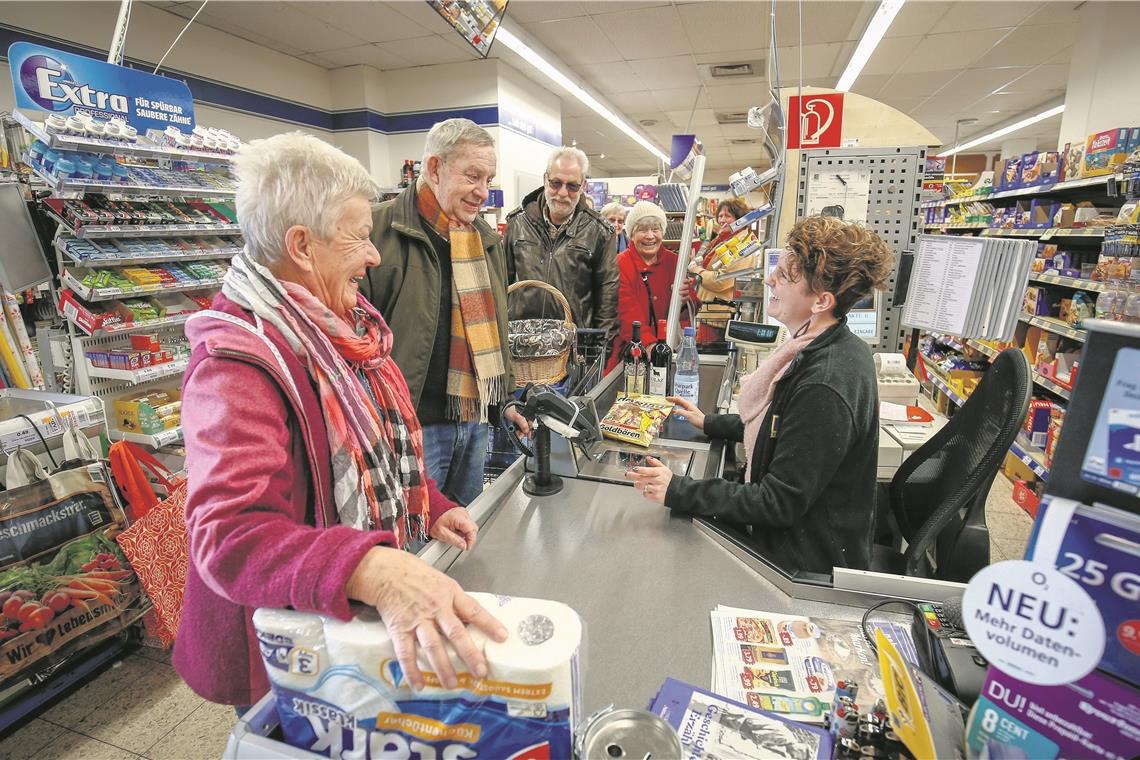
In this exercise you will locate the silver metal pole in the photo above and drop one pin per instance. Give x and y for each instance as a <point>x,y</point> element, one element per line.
<point>673,330</point>
<point>119,37</point>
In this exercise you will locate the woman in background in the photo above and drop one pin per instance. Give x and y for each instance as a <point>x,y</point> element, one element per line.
<point>713,317</point>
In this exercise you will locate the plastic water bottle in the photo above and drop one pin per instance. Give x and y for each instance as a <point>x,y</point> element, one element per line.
<point>687,381</point>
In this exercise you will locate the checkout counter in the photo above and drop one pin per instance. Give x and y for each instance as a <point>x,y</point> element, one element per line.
<point>643,579</point>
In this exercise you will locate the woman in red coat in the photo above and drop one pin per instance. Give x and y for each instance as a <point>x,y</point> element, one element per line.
<point>646,269</point>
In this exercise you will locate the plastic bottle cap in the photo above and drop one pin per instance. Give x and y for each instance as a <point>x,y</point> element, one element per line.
<point>690,331</point>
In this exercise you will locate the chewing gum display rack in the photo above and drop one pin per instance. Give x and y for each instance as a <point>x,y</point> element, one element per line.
<point>144,375</point>
<point>100,231</point>
<point>75,188</point>
<point>123,328</point>
<point>109,294</point>
<point>142,147</point>
<point>65,246</point>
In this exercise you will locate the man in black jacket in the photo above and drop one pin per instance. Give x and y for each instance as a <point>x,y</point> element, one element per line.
<point>555,237</point>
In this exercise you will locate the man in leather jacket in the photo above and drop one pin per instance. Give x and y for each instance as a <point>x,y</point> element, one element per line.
<point>555,237</point>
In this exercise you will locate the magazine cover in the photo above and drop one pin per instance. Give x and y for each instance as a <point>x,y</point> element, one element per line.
<point>714,728</point>
<point>790,664</point>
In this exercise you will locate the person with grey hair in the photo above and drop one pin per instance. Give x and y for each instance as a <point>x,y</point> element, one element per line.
<point>614,213</point>
<point>556,237</point>
<point>307,480</point>
<point>442,286</point>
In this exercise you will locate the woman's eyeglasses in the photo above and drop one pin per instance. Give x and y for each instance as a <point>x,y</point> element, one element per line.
<point>557,184</point>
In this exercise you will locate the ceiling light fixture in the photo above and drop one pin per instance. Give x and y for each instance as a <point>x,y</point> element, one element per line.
<point>880,23</point>
<point>528,54</point>
<point>1004,131</point>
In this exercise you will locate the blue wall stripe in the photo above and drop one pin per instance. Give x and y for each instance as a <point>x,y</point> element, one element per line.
<point>213,93</point>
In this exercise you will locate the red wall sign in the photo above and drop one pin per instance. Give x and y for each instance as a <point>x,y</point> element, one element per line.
<point>818,124</point>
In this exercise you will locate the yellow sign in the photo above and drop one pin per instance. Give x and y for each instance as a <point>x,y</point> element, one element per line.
<point>428,729</point>
<point>904,705</point>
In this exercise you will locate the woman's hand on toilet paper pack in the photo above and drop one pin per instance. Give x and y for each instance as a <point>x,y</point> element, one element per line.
<point>418,604</point>
<point>455,527</point>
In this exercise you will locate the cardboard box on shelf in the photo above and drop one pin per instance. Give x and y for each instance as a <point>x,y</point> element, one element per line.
<point>1104,151</point>
<point>1026,497</point>
<point>1036,424</point>
<point>148,412</point>
<point>1014,469</point>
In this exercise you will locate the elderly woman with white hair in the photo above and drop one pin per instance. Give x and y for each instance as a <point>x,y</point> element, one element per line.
<point>305,457</point>
<point>646,270</point>
<point>614,213</point>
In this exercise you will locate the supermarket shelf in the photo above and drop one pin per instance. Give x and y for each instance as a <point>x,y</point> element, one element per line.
<point>982,348</point>
<point>1095,233</point>
<point>949,340</point>
<point>943,386</point>
<point>1031,456</point>
<point>1054,326</point>
<point>100,231</point>
<point>124,328</point>
<point>144,375</point>
<point>1049,385</point>
<point>156,441</point>
<point>947,227</point>
<point>1069,282</point>
<point>77,262</point>
<point>107,294</point>
<point>80,187</point>
<point>1060,187</point>
<point>144,148</point>
<point>1015,233</point>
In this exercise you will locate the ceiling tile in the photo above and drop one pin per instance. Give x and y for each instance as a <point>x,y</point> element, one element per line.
<point>283,23</point>
<point>902,104</point>
<point>702,117</point>
<point>955,51</point>
<point>644,33</point>
<point>730,56</point>
<point>678,71</point>
<point>1064,55</point>
<point>576,41</point>
<point>634,102</point>
<point>423,14</point>
<point>254,37</point>
<point>675,98</point>
<point>1064,12</point>
<point>818,61</point>
<point>1029,45</point>
<point>611,78</point>
<point>888,55</point>
<point>368,55</point>
<point>372,22</point>
<point>917,19</point>
<point>736,97</point>
<point>918,85</point>
<point>1048,77</point>
<point>978,83</point>
<point>828,21</point>
<point>715,27</point>
<point>972,15</point>
<point>433,49</point>
<point>529,12</point>
<point>601,7</point>
<point>317,60</point>
<point>870,85</point>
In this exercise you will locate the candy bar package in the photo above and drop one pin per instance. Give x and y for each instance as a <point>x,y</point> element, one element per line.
<point>341,693</point>
<point>636,419</point>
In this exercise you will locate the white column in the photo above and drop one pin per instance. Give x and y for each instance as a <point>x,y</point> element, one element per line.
<point>1018,147</point>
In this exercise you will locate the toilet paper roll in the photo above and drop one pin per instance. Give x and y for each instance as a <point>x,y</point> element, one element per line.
<point>292,646</point>
<point>890,364</point>
<point>541,648</point>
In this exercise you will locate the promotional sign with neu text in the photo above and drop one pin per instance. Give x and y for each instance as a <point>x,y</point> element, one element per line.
<point>56,82</point>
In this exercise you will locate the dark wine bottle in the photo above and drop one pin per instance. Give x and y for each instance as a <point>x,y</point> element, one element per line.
<point>635,365</point>
<point>661,364</point>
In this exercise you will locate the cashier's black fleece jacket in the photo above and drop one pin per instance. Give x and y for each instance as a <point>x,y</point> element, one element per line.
<point>810,502</point>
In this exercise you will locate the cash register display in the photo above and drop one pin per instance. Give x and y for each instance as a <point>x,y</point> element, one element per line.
<point>752,332</point>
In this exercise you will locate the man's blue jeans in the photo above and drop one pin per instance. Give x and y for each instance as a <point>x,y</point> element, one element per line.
<point>454,454</point>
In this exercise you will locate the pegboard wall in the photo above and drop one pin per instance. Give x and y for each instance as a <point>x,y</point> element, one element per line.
<point>892,210</point>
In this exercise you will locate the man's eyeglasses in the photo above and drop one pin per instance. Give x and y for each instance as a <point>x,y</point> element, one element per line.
<point>556,185</point>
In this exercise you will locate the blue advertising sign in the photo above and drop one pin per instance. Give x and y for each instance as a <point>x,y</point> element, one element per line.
<point>56,82</point>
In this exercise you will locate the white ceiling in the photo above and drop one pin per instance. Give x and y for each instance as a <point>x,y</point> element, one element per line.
<point>939,62</point>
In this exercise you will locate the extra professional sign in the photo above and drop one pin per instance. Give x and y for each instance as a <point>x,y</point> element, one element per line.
<point>56,82</point>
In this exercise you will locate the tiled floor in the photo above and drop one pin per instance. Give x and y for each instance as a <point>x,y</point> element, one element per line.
<point>141,708</point>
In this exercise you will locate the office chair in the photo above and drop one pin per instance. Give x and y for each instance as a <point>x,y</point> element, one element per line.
<point>937,498</point>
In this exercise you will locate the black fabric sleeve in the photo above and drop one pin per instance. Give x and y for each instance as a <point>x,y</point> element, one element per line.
<point>605,286</point>
<point>728,427</point>
<point>816,430</point>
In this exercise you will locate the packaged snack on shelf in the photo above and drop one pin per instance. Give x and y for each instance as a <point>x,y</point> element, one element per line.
<point>147,412</point>
<point>1036,425</point>
<point>341,692</point>
<point>636,419</point>
<point>1104,151</point>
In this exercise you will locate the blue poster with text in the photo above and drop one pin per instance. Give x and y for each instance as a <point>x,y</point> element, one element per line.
<point>56,82</point>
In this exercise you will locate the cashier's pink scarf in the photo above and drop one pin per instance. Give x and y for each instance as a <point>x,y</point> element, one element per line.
<point>756,392</point>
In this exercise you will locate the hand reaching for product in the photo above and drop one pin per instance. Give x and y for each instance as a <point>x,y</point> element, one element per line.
<point>688,410</point>
<point>422,607</point>
<point>455,527</point>
<point>652,479</point>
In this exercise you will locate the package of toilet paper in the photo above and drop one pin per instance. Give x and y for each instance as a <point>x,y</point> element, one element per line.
<point>341,693</point>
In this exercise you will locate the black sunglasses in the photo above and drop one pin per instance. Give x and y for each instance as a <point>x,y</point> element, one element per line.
<point>556,185</point>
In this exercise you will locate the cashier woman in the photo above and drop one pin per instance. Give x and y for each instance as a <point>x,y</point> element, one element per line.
<point>808,415</point>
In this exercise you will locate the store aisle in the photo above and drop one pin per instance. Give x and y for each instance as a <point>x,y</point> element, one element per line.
<point>141,708</point>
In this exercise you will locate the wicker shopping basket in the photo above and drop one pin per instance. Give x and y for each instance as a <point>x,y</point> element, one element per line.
<point>543,369</point>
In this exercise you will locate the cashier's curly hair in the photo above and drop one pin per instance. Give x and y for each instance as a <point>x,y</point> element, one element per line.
<point>844,258</point>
